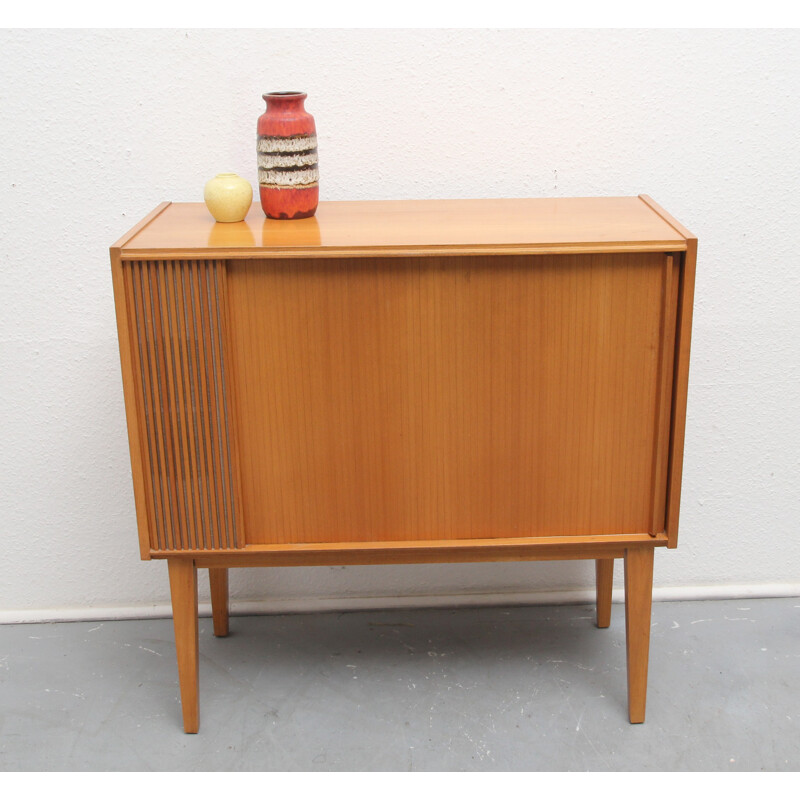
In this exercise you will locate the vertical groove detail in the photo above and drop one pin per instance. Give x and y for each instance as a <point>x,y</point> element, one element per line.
<point>178,313</point>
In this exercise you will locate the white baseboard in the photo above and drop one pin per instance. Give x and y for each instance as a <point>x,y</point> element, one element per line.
<point>344,604</point>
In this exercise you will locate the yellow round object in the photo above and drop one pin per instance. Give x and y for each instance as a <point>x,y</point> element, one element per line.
<point>228,197</point>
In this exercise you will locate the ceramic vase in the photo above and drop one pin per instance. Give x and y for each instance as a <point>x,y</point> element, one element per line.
<point>288,173</point>
<point>228,197</point>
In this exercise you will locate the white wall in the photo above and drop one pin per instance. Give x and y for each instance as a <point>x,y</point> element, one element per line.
<point>98,127</point>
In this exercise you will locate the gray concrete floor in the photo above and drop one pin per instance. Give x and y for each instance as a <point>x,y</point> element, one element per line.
<point>534,688</point>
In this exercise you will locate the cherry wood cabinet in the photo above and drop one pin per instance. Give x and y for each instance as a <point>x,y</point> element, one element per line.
<point>407,382</point>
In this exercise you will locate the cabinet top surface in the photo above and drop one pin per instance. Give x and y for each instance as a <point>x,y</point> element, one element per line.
<point>412,227</point>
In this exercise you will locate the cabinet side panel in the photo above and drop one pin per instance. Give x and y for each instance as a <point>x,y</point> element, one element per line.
<point>180,374</point>
<point>669,307</point>
<point>447,398</point>
<point>680,389</point>
<point>133,413</point>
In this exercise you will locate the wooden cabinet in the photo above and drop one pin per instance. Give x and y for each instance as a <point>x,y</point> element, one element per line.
<point>407,382</point>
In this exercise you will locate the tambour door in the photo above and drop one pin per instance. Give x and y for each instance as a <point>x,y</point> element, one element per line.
<point>176,314</point>
<point>459,397</point>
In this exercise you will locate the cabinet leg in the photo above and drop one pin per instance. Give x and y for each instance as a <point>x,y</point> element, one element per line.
<point>638,602</point>
<point>183,586</point>
<point>604,574</point>
<point>218,579</point>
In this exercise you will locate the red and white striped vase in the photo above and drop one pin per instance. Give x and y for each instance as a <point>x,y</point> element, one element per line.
<point>288,171</point>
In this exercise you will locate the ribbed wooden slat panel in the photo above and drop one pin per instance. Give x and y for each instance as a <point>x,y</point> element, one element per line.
<point>178,314</point>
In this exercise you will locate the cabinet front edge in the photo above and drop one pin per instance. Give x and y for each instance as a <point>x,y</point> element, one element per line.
<point>133,254</point>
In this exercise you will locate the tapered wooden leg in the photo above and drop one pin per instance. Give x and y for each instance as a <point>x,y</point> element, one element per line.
<point>638,602</point>
<point>183,586</point>
<point>604,573</point>
<point>218,579</point>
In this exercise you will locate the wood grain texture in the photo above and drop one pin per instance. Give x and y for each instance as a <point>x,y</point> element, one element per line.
<point>680,390</point>
<point>407,382</point>
<point>412,227</point>
<point>457,398</point>
<point>638,602</point>
<point>143,223</point>
<point>183,587</point>
<point>604,577</point>
<point>678,227</point>
<point>680,384</point>
<point>666,357</point>
<point>218,583</point>
<point>177,316</point>
<point>140,467</point>
<point>433,551</point>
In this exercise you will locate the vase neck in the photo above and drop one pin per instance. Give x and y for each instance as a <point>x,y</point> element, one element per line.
<point>285,101</point>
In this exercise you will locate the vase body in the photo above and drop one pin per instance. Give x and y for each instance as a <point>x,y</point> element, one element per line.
<point>228,197</point>
<point>288,172</point>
